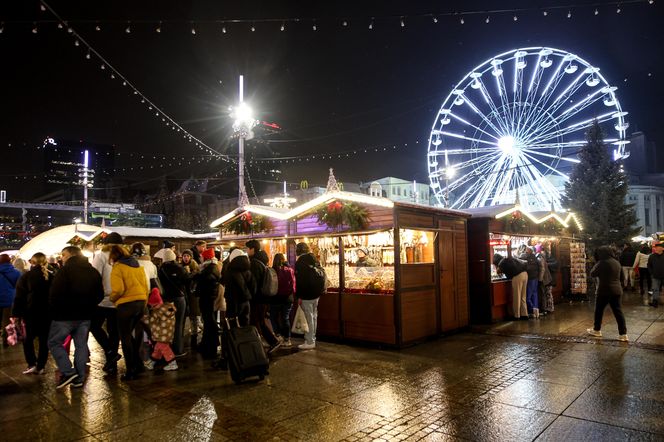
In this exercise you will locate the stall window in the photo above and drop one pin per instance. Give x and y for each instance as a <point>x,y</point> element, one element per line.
<point>326,251</point>
<point>416,246</point>
<point>369,263</point>
<point>498,244</point>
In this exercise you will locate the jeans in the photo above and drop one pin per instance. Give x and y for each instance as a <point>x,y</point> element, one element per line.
<point>628,276</point>
<point>656,288</point>
<point>108,339</point>
<point>531,295</point>
<point>280,317</point>
<point>38,328</point>
<point>310,309</point>
<point>129,318</point>
<point>79,331</point>
<point>210,341</point>
<point>644,276</point>
<point>180,315</point>
<point>614,302</point>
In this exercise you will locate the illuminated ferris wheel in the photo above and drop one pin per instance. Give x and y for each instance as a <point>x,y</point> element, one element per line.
<point>515,123</point>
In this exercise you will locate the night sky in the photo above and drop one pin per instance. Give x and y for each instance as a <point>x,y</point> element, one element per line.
<point>336,89</point>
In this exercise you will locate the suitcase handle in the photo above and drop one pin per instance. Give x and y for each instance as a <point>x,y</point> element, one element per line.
<point>237,322</point>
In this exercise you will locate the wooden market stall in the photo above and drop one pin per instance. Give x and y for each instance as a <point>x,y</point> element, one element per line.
<point>415,286</point>
<point>502,229</point>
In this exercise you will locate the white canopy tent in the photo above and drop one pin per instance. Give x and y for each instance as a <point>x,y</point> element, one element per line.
<point>53,241</point>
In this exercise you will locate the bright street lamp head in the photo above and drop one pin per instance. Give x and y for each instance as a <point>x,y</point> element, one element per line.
<point>242,114</point>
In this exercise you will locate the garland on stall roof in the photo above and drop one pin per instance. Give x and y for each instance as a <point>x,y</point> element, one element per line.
<point>337,214</point>
<point>516,222</point>
<point>551,226</point>
<point>247,224</point>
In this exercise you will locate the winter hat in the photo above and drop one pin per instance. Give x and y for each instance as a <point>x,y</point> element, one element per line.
<point>364,250</point>
<point>235,253</point>
<point>166,255</point>
<point>208,254</point>
<point>168,244</point>
<point>187,252</point>
<point>302,248</point>
<point>112,238</point>
<point>138,250</point>
<point>155,298</point>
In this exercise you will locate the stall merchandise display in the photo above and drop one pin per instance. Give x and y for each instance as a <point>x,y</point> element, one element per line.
<point>579,281</point>
<point>416,246</point>
<point>498,244</point>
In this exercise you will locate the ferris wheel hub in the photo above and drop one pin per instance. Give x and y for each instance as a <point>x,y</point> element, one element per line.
<point>507,144</point>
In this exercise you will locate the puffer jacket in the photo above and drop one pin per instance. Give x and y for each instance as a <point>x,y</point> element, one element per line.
<point>31,299</point>
<point>8,279</point>
<point>238,282</point>
<point>128,282</point>
<point>162,322</point>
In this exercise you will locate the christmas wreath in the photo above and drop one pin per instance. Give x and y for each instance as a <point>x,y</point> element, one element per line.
<point>246,224</point>
<point>336,214</point>
<point>80,242</point>
<point>551,226</point>
<point>516,222</point>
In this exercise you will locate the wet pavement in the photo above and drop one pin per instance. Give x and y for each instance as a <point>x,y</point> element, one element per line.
<point>529,380</point>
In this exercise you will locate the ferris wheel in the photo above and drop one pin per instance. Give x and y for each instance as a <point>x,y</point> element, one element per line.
<point>513,126</point>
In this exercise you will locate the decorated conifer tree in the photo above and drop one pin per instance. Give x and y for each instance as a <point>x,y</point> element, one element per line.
<point>596,192</point>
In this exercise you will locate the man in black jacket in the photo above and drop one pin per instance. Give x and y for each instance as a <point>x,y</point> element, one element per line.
<point>75,292</point>
<point>609,291</point>
<point>656,269</point>
<point>627,258</point>
<point>259,305</point>
<point>515,270</point>
<point>307,291</point>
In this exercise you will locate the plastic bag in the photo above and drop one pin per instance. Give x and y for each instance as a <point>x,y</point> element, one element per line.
<point>15,331</point>
<point>300,325</point>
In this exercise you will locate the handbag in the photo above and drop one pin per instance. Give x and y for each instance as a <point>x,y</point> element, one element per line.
<point>15,331</point>
<point>220,301</point>
<point>300,325</point>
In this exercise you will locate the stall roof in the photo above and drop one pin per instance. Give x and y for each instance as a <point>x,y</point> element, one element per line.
<point>503,210</point>
<point>54,240</point>
<point>283,214</point>
<point>464,213</point>
<point>145,232</point>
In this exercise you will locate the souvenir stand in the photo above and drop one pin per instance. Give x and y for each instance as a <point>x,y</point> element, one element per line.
<point>413,282</point>
<point>502,229</point>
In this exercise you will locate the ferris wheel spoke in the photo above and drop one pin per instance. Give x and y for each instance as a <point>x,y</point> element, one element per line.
<point>493,174</point>
<point>463,137</point>
<point>548,90</point>
<point>502,93</point>
<point>530,93</point>
<point>541,188</point>
<point>581,126</point>
<point>478,112</point>
<point>481,173</point>
<point>563,144</point>
<point>492,106</point>
<point>548,155</point>
<point>552,169</point>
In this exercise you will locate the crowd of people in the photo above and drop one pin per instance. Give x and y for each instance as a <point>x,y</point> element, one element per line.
<point>137,309</point>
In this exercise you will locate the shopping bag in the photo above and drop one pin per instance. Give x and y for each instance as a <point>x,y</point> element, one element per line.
<point>15,331</point>
<point>300,325</point>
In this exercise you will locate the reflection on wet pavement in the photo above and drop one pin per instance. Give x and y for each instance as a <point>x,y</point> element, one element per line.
<point>511,381</point>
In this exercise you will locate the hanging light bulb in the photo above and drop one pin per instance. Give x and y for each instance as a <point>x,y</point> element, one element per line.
<point>124,83</point>
<point>488,19</point>
<point>650,2</point>
<point>545,13</point>
<point>112,76</point>
<point>76,43</point>
<point>2,27</point>
<point>462,21</point>
<point>60,25</point>
<point>344,24</point>
<point>70,30</point>
<point>88,54</point>
<point>158,30</point>
<point>596,11</point>
<point>97,28</point>
<point>314,26</point>
<point>403,23</point>
<point>128,29</point>
<point>42,8</point>
<point>283,26</point>
<point>223,29</point>
<point>516,18</point>
<point>253,28</point>
<point>371,23</point>
<point>193,31</point>
<point>103,67</point>
<point>618,10</point>
<point>569,14</point>
<point>435,19</point>
<point>34,28</point>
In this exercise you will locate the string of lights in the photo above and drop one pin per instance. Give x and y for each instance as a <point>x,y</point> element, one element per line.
<point>104,65</point>
<point>371,23</point>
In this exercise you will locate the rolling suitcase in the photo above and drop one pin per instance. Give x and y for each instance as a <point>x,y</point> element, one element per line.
<point>244,351</point>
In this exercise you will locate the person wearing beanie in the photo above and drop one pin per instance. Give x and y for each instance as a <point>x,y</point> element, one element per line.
<point>162,328</point>
<point>239,285</point>
<point>108,339</point>
<point>307,292</point>
<point>169,245</point>
<point>207,289</point>
<point>129,292</point>
<point>8,279</point>
<point>363,259</point>
<point>174,280</point>
<point>259,302</point>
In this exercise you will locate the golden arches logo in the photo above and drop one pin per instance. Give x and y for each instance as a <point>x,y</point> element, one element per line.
<point>304,184</point>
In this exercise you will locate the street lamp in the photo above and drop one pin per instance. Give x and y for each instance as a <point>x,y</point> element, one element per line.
<point>77,221</point>
<point>448,172</point>
<point>244,122</point>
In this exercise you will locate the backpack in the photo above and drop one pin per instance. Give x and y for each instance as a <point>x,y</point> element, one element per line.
<point>285,282</point>
<point>317,278</point>
<point>270,283</point>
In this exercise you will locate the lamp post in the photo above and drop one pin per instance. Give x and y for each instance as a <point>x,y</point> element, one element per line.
<point>448,172</point>
<point>243,124</point>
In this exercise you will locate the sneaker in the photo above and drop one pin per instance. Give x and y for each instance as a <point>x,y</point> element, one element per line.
<point>77,382</point>
<point>40,371</point>
<point>171,366</point>
<point>30,370</point>
<point>66,380</point>
<point>536,313</point>
<point>288,343</point>
<point>623,338</point>
<point>306,346</point>
<point>595,333</point>
<point>149,364</point>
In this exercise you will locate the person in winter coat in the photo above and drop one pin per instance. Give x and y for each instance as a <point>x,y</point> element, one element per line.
<point>75,292</point>
<point>197,250</point>
<point>108,339</point>
<point>162,326</point>
<point>259,302</point>
<point>207,289</point>
<point>282,303</point>
<point>8,279</point>
<point>627,257</point>
<point>307,292</point>
<point>609,291</point>
<point>31,305</point>
<point>514,270</point>
<point>656,269</point>
<point>129,293</point>
<point>191,267</point>
<point>239,285</point>
<point>545,280</point>
<point>533,270</point>
<point>174,281</point>
<point>641,263</point>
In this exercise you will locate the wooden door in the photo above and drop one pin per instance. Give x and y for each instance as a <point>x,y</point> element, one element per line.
<point>453,271</point>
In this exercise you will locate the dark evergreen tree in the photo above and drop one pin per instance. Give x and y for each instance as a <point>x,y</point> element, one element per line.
<point>596,192</point>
